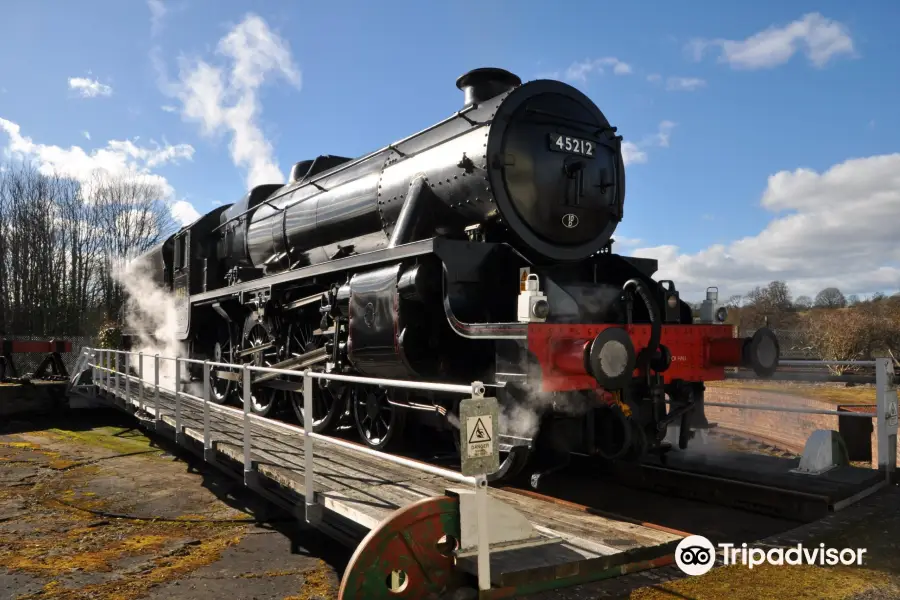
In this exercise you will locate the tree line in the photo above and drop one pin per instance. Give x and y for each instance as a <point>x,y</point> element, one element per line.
<point>833,326</point>
<point>61,240</point>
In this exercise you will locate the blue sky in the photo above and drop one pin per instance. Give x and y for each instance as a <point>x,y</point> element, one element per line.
<point>714,99</point>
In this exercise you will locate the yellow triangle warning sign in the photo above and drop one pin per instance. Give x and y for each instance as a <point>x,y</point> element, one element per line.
<point>479,433</point>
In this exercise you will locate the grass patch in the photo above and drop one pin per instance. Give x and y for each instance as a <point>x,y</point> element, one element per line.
<point>119,439</point>
<point>836,394</point>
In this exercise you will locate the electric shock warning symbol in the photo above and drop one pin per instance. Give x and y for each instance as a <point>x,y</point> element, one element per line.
<point>480,434</point>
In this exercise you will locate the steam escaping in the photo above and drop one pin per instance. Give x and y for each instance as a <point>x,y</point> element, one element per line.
<point>521,416</point>
<point>150,314</point>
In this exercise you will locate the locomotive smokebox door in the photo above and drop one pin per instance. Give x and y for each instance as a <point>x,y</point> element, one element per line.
<point>478,431</point>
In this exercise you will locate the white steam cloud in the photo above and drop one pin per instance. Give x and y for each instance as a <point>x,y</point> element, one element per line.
<point>151,313</point>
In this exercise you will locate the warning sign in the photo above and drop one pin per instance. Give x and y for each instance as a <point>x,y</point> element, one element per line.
<point>524,272</point>
<point>479,430</point>
<point>479,450</point>
<point>892,413</point>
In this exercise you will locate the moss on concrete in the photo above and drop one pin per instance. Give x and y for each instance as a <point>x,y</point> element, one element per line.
<point>119,439</point>
<point>58,535</point>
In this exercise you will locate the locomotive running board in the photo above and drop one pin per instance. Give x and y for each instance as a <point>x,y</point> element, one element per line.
<point>368,258</point>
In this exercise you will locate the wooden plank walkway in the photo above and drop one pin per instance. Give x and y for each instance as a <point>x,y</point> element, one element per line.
<point>365,490</point>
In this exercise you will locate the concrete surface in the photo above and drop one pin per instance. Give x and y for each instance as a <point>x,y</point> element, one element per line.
<point>99,512</point>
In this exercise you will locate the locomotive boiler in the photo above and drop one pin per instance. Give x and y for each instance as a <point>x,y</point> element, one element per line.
<point>477,249</point>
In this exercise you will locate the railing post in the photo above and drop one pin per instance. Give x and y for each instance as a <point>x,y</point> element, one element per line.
<point>127,379</point>
<point>481,518</point>
<point>248,466</point>
<point>886,399</point>
<point>141,377</point>
<point>116,352</point>
<point>207,443</point>
<point>94,371</point>
<point>177,400</point>
<point>157,416</point>
<point>313,514</point>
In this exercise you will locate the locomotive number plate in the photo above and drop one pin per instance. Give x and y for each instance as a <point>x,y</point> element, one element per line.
<point>572,145</point>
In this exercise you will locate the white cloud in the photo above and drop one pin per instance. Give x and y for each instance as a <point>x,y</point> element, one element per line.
<point>168,108</point>
<point>684,84</point>
<point>184,212</point>
<point>157,13</point>
<point>837,228</point>
<point>579,71</point>
<point>119,158</point>
<point>654,77</point>
<point>225,99</point>
<point>86,134</point>
<point>635,153</point>
<point>626,241</point>
<point>632,154</point>
<point>665,131</point>
<point>89,88</point>
<point>820,38</point>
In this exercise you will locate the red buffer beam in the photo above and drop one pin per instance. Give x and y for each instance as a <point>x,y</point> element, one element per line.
<point>578,357</point>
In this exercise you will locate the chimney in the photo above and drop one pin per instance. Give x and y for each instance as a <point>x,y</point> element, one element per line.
<point>480,85</point>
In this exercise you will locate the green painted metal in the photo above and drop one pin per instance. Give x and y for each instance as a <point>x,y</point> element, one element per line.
<point>404,553</point>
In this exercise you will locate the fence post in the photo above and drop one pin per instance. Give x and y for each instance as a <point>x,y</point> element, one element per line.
<point>177,400</point>
<point>313,514</point>
<point>158,416</point>
<point>207,443</point>
<point>886,398</point>
<point>116,383</point>
<point>127,379</point>
<point>141,378</point>
<point>248,466</point>
<point>94,371</point>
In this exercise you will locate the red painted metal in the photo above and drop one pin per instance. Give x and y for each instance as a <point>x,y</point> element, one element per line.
<point>20,346</point>
<point>568,355</point>
<point>407,541</point>
<point>692,346</point>
<point>726,352</point>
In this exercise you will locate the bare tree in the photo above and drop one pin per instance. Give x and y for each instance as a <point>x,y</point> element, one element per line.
<point>830,298</point>
<point>60,240</point>
<point>134,217</point>
<point>803,303</point>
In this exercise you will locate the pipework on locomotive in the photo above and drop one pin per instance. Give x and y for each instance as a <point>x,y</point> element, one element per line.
<point>479,248</point>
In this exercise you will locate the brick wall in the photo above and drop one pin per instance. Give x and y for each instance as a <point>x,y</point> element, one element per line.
<point>782,429</point>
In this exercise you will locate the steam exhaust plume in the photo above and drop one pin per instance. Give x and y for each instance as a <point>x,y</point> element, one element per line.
<point>150,312</point>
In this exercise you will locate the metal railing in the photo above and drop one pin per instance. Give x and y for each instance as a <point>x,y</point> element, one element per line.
<point>885,415</point>
<point>886,406</point>
<point>109,376</point>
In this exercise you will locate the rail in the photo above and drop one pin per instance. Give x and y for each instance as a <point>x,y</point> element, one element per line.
<point>106,363</point>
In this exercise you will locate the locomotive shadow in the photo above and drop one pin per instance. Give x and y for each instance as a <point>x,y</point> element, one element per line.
<point>587,482</point>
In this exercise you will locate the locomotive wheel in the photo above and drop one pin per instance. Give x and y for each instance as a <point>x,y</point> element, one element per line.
<point>329,401</point>
<point>262,399</point>
<point>380,424</point>
<point>223,352</point>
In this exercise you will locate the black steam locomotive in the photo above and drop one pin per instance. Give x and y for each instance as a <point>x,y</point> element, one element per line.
<point>477,249</point>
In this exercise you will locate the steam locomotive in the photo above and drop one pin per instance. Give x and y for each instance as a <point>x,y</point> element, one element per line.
<point>479,249</point>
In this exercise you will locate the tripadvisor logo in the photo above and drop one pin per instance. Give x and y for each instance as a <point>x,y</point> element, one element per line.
<point>696,555</point>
